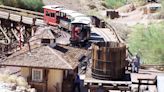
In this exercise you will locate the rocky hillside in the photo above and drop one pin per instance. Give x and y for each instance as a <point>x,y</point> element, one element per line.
<point>84,6</point>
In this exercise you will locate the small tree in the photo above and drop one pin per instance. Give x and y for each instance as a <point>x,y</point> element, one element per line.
<point>34,5</point>
<point>13,3</point>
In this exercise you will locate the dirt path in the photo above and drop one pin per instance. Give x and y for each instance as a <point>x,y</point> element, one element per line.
<point>130,18</point>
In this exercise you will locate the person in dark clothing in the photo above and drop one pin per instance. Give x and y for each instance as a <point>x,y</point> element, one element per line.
<point>76,83</point>
<point>136,63</point>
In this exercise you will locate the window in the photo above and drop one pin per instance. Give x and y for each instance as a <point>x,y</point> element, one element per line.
<point>62,15</point>
<point>57,14</point>
<point>37,75</point>
<point>52,14</point>
<point>45,41</point>
<point>47,14</point>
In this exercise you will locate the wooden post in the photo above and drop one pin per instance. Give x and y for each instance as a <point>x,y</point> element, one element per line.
<point>9,16</point>
<point>33,30</point>
<point>104,59</point>
<point>33,20</point>
<point>139,84</point>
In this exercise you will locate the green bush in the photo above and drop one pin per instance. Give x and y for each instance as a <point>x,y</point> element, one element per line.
<point>149,42</point>
<point>34,5</point>
<point>115,3</point>
<point>118,3</point>
<point>13,3</point>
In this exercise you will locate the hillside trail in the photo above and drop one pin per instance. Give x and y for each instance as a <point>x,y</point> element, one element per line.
<point>130,18</point>
<point>138,16</point>
<point>77,5</point>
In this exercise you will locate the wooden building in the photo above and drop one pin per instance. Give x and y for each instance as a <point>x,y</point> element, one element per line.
<point>48,68</point>
<point>152,8</point>
<point>112,14</point>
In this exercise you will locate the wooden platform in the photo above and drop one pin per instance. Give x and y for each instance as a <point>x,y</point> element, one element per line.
<point>92,84</point>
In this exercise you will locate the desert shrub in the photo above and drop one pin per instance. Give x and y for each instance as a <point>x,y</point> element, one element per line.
<point>118,3</point>
<point>115,3</point>
<point>149,42</point>
<point>20,81</point>
<point>34,5</point>
<point>91,6</point>
<point>13,3</point>
<point>104,4</point>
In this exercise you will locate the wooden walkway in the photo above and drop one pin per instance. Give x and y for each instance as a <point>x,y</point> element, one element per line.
<point>20,15</point>
<point>93,84</point>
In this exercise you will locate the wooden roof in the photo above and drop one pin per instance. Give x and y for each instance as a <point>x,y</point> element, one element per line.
<point>45,33</point>
<point>58,57</point>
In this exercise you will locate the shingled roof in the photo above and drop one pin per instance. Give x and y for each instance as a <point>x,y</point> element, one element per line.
<point>59,57</point>
<point>44,33</point>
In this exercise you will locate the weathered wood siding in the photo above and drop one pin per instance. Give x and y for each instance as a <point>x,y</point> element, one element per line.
<point>108,60</point>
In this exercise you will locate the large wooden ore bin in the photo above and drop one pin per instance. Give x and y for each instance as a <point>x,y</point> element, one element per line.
<point>108,60</point>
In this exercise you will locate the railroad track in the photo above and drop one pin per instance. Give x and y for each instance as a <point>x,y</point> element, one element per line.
<point>114,32</point>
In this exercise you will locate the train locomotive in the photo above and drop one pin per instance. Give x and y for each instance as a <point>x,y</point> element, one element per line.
<point>77,24</point>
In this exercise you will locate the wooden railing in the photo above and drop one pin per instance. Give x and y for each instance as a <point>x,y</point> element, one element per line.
<point>21,11</point>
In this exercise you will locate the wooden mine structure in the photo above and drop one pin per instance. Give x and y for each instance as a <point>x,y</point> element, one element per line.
<point>16,26</point>
<point>20,25</point>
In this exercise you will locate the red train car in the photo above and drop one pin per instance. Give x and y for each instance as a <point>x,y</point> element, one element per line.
<point>51,14</point>
<point>77,24</point>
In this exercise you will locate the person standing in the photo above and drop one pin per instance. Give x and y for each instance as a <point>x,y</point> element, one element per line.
<point>76,83</point>
<point>135,64</point>
<point>138,62</point>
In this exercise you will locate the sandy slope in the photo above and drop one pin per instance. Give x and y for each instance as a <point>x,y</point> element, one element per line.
<point>78,5</point>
